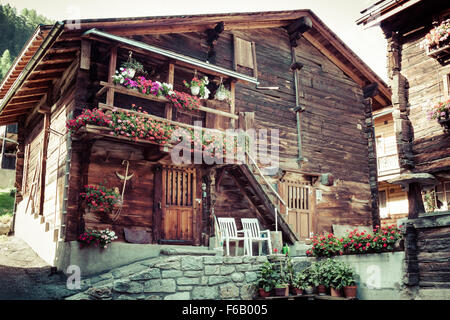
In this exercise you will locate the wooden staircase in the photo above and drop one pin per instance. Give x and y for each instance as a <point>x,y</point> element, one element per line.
<point>264,199</point>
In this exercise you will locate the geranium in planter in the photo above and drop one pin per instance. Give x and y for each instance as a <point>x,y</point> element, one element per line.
<point>325,245</point>
<point>440,111</point>
<point>437,37</point>
<point>98,238</point>
<point>99,199</point>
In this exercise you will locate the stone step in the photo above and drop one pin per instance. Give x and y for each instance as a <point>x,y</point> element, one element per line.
<point>187,251</point>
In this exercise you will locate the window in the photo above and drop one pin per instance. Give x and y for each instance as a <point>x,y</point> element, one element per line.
<point>442,191</point>
<point>379,141</point>
<point>245,56</point>
<point>446,81</point>
<point>382,203</point>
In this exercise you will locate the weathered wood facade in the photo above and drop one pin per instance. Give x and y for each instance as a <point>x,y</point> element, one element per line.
<point>286,71</point>
<point>418,80</point>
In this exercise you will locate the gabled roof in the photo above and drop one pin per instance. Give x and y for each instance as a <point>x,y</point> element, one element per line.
<point>52,49</point>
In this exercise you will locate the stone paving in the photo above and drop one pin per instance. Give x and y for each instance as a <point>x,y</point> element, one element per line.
<point>25,276</point>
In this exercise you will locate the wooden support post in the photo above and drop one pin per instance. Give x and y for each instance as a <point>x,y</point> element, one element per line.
<point>197,193</point>
<point>233,102</point>
<point>111,72</point>
<point>157,203</point>
<point>415,203</point>
<point>85,57</point>
<point>170,79</point>
<point>20,160</point>
<point>44,161</point>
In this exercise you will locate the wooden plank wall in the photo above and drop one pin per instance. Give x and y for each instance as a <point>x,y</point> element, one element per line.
<point>106,159</point>
<point>231,203</point>
<point>425,77</point>
<point>433,257</point>
<point>332,141</point>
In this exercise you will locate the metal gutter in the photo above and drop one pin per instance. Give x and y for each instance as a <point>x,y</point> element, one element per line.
<point>172,55</point>
<point>32,64</point>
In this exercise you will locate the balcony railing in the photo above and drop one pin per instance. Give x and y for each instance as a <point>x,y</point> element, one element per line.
<point>388,164</point>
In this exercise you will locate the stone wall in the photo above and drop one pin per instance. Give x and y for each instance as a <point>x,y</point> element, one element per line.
<point>177,277</point>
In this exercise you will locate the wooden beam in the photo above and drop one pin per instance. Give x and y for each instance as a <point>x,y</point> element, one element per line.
<point>233,103</point>
<point>123,90</point>
<point>111,72</point>
<point>44,161</point>
<point>85,57</point>
<point>168,109</point>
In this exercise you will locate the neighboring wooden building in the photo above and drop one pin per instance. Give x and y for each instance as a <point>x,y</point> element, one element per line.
<point>393,201</point>
<point>286,70</point>
<point>419,78</point>
<point>8,135</point>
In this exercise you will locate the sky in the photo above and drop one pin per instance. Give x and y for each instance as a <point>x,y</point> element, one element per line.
<point>339,15</point>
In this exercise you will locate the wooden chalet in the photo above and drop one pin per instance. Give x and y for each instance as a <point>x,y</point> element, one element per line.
<point>419,78</point>
<point>285,70</point>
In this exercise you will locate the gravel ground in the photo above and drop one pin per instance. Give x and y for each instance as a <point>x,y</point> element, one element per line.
<point>25,276</point>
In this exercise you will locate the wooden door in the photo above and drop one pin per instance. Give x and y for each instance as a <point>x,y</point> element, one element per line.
<point>298,196</point>
<point>178,205</point>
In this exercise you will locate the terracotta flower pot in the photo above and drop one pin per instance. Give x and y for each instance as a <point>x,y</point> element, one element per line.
<point>350,291</point>
<point>263,293</point>
<point>297,291</point>
<point>321,290</point>
<point>282,292</point>
<point>336,292</point>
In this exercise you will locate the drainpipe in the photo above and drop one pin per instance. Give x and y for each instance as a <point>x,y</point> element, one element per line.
<point>296,66</point>
<point>295,31</point>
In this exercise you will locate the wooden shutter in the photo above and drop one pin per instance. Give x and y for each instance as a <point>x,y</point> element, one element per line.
<point>244,55</point>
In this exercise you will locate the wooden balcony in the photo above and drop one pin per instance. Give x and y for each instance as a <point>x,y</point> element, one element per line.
<point>388,166</point>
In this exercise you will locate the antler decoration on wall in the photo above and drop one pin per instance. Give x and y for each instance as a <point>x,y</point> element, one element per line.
<point>125,178</point>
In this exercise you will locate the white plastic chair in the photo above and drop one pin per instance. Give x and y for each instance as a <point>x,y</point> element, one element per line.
<point>251,225</point>
<point>228,231</point>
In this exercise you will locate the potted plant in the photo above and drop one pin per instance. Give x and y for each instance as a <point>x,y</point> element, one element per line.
<point>281,288</point>
<point>132,66</point>
<point>266,279</point>
<point>222,93</point>
<point>440,111</point>
<point>437,38</point>
<point>337,272</point>
<point>300,282</point>
<point>99,199</point>
<point>348,281</point>
<point>198,87</point>
<point>100,238</point>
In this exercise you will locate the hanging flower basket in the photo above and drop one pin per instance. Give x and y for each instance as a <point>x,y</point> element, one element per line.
<point>99,199</point>
<point>222,93</point>
<point>198,87</point>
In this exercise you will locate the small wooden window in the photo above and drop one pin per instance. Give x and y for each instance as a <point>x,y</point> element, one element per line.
<point>382,203</point>
<point>245,56</point>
